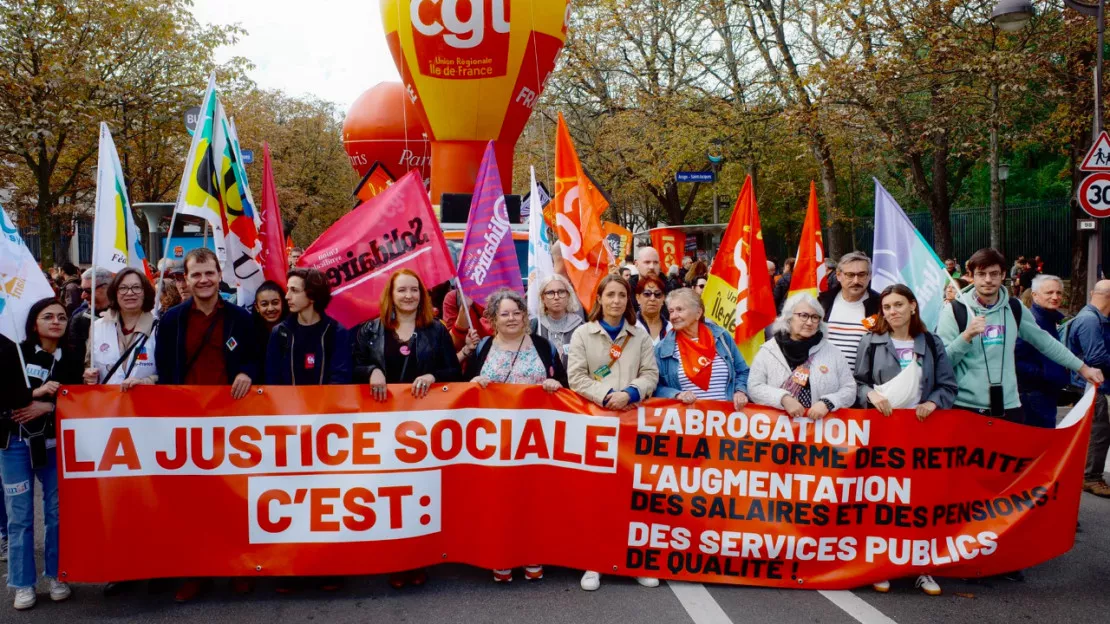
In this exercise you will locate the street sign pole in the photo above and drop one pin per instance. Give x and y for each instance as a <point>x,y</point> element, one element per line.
<point>1094,243</point>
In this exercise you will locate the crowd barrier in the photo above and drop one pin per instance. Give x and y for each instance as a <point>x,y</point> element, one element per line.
<point>184,481</point>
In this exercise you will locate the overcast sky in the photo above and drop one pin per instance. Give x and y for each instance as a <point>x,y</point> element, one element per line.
<point>333,49</point>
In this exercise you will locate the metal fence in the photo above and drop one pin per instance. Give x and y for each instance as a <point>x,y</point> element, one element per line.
<point>62,239</point>
<point>1035,229</point>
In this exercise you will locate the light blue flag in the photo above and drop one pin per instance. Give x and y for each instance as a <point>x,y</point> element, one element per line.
<point>902,256</point>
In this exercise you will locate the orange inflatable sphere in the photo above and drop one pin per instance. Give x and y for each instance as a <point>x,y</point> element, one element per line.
<point>383,125</point>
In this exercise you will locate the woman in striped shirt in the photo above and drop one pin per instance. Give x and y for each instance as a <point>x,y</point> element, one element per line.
<point>698,359</point>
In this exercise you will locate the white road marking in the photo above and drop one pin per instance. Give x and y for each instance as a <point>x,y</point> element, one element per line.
<point>857,607</point>
<point>699,604</point>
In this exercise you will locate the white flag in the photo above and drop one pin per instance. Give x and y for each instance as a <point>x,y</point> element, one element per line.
<point>22,282</point>
<point>116,242</point>
<point>540,264</point>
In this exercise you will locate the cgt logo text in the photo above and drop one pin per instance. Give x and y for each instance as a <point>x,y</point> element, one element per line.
<point>464,22</point>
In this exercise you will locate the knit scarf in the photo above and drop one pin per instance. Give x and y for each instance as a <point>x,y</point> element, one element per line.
<point>697,357</point>
<point>796,352</point>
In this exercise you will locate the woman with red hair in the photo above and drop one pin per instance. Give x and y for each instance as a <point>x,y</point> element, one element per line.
<point>405,345</point>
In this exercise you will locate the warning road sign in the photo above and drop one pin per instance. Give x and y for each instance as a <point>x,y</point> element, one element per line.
<point>1094,195</point>
<point>1098,157</point>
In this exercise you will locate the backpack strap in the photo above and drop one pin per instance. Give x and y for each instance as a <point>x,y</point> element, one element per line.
<point>1015,309</point>
<point>959,312</point>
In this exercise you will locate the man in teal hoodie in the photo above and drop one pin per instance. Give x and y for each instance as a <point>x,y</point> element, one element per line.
<point>980,341</point>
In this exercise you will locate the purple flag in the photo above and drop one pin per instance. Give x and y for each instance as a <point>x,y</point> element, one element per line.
<point>488,261</point>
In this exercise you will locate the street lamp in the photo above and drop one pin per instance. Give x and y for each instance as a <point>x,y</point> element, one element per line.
<point>1012,15</point>
<point>716,156</point>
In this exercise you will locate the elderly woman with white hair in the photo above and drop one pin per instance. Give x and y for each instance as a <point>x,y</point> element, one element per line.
<point>799,370</point>
<point>560,313</point>
<point>698,359</point>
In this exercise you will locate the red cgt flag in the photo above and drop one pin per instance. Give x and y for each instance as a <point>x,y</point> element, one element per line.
<point>578,206</point>
<point>810,272</point>
<point>671,245</point>
<point>395,230</point>
<point>273,259</point>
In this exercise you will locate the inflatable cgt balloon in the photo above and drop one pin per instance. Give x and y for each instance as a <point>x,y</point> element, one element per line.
<point>383,125</point>
<point>474,69</point>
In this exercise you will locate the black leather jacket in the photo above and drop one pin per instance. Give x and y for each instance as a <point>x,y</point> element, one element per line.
<point>433,353</point>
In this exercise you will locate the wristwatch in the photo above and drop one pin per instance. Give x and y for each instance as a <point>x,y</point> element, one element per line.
<point>828,404</point>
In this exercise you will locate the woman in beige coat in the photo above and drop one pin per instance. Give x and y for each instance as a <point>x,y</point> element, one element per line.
<point>612,363</point>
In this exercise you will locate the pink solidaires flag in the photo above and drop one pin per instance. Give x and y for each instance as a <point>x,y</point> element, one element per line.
<point>273,258</point>
<point>488,261</point>
<point>397,229</point>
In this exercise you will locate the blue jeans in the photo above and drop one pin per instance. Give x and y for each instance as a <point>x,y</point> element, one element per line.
<point>19,498</point>
<point>1040,409</point>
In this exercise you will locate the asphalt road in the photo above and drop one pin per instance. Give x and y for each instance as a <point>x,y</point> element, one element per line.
<point>1074,588</point>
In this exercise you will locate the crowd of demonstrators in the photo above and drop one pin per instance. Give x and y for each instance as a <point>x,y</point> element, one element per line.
<point>650,291</point>
<point>782,286</point>
<point>1088,337</point>
<point>1040,380</point>
<point>699,359</point>
<point>799,370</point>
<point>645,337</point>
<point>848,303</point>
<point>612,363</point>
<point>900,365</point>
<point>513,355</point>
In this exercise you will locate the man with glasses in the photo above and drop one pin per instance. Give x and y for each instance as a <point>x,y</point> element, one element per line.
<point>699,285</point>
<point>81,320</point>
<point>980,331</point>
<point>848,303</point>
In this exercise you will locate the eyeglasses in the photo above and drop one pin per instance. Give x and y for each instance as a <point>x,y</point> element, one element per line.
<point>853,276</point>
<point>555,294</point>
<point>652,294</point>
<point>807,318</point>
<point>989,274</point>
<point>134,290</point>
<point>504,316</point>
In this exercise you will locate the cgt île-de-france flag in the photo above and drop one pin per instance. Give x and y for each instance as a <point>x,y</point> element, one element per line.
<point>116,242</point>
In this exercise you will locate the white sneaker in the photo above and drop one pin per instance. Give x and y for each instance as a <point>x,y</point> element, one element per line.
<point>24,598</point>
<point>59,591</point>
<point>928,585</point>
<point>4,549</point>
<point>647,581</point>
<point>591,580</point>
<point>882,586</point>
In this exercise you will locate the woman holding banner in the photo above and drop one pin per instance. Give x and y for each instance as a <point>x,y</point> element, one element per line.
<point>123,339</point>
<point>28,440</point>
<point>308,348</point>
<point>900,365</point>
<point>560,313</point>
<point>650,291</point>
<point>799,370</point>
<point>698,360</point>
<point>612,364</point>
<point>515,356</point>
<point>405,345</point>
<point>270,309</point>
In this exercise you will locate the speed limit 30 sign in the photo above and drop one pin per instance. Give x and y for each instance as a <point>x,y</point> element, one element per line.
<point>1094,194</point>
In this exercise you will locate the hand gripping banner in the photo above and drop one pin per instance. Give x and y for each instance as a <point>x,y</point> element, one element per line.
<point>183,482</point>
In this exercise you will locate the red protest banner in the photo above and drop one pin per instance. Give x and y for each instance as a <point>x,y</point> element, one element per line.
<point>396,229</point>
<point>315,481</point>
<point>671,245</point>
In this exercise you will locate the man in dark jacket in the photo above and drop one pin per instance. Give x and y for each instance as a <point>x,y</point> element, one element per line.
<point>71,287</point>
<point>1040,380</point>
<point>204,341</point>
<point>1089,339</point>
